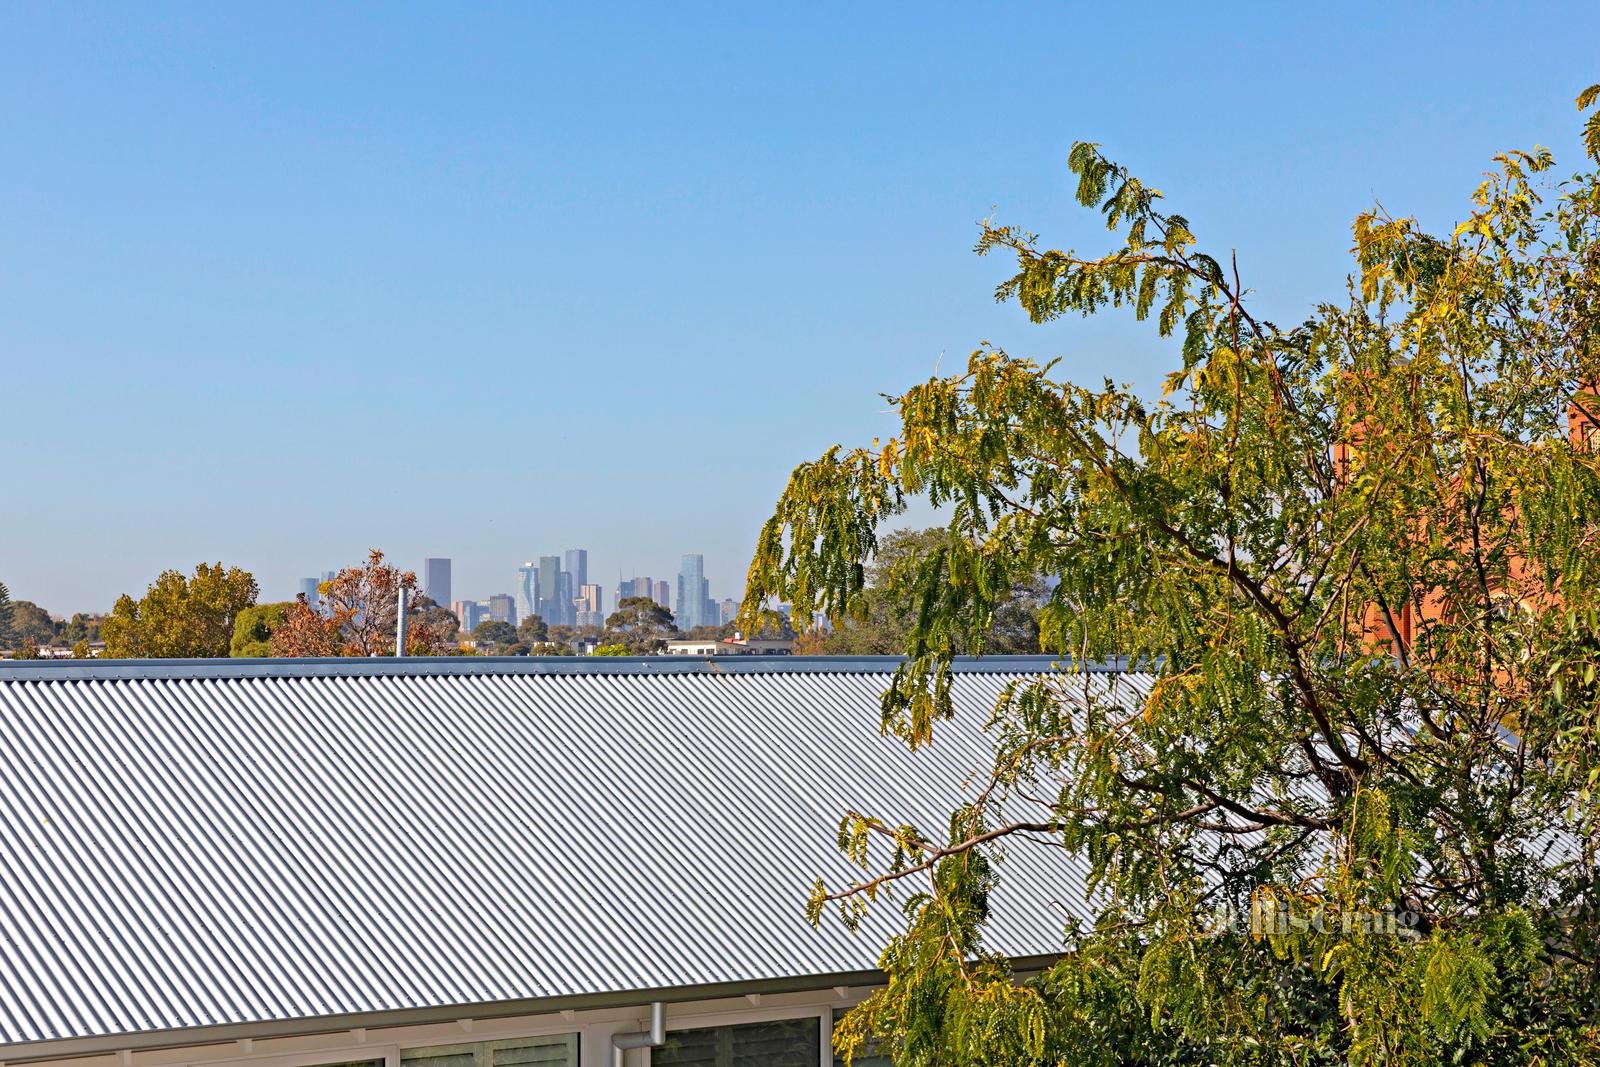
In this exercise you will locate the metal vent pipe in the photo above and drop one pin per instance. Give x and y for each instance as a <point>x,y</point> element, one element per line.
<point>654,1037</point>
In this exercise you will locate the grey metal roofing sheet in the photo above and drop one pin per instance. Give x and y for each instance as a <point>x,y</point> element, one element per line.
<point>202,844</point>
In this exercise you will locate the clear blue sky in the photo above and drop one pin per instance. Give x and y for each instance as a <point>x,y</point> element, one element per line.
<point>279,283</point>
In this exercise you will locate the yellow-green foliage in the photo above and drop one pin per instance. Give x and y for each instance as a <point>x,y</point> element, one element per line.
<point>1355,818</point>
<point>179,616</point>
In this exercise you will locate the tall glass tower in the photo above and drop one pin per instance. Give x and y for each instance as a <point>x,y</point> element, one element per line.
<point>527,590</point>
<point>693,591</point>
<point>550,607</point>
<point>568,597</point>
<point>436,580</point>
<point>578,566</point>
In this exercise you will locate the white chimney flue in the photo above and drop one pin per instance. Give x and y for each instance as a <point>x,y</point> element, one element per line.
<point>402,602</point>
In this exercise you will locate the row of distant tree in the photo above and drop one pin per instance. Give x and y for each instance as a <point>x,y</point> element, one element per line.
<point>25,627</point>
<point>213,612</point>
<point>638,627</point>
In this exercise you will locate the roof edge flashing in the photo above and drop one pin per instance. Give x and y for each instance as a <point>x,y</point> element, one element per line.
<point>437,666</point>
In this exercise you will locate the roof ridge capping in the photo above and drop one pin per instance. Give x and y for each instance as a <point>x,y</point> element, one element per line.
<point>437,666</point>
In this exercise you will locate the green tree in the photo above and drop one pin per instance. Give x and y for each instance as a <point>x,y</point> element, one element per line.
<point>1361,556</point>
<point>708,632</point>
<point>80,627</point>
<point>436,619</point>
<point>253,627</point>
<point>640,625</point>
<point>532,630</point>
<point>30,622</point>
<point>884,620</point>
<point>8,611</point>
<point>494,635</point>
<point>180,617</point>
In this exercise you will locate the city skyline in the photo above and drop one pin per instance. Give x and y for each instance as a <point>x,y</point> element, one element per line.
<point>480,576</point>
<point>555,588</point>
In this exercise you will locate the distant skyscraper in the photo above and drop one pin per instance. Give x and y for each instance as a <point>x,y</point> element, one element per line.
<point>578,566</point>
<point>630,587</point>
<point>528,591</point>
<point>729,610</point>
<point>503,608</point>
<point>567,594</point>
<point>591,612</point>
<point>436,579</point>
<point>693,593</point>
<point>551,606</point>
<point>661,594</point>
<point>308,589</point>
<point>470,613</point>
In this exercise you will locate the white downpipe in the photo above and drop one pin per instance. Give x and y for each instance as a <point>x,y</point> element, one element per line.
<point>654,1037</point>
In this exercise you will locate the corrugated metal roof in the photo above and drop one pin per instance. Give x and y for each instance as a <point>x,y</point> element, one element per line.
<point>201,844</point>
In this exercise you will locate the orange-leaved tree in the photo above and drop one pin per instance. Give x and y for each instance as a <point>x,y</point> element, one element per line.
<point>356,614</point>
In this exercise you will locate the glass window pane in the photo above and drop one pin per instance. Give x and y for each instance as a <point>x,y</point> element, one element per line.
<point>689,1048</point>
<point>541,1050</point>
<point>785,1043</point>
<point>781,1043</point>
